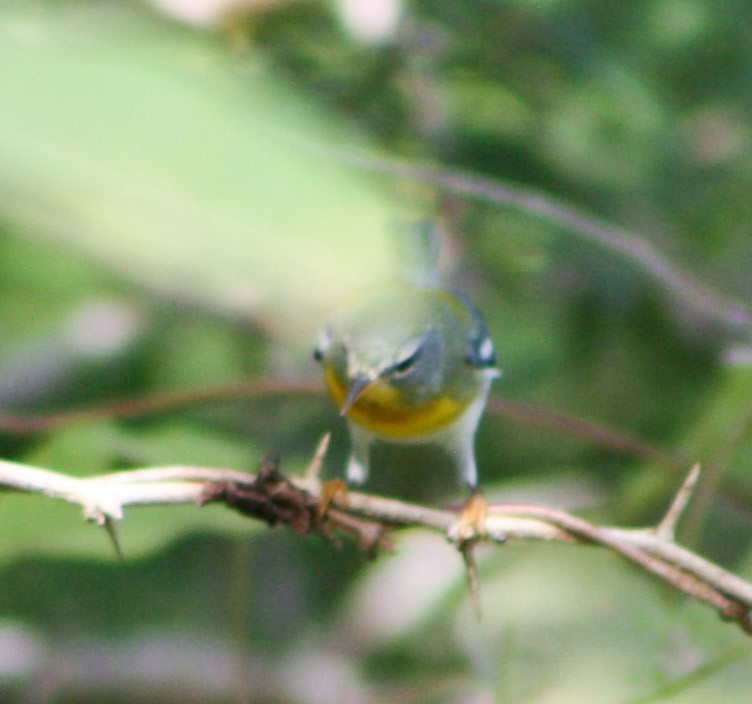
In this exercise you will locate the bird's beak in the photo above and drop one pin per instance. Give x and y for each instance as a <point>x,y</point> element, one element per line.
<point>358,384</point>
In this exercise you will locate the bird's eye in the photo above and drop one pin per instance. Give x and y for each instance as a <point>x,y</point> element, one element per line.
<point>323,344</point>
<point>405,363</point>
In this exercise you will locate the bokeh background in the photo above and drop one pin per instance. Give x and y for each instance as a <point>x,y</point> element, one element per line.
<point>188,186</point>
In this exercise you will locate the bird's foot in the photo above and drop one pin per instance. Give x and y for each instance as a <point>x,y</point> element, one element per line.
<point>331,490</point>
<point>471,525</point>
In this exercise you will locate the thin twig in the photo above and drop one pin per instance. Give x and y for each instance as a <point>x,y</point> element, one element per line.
<point>527,414</point>
<point>567,424</point>
<point>685,289</point>
<point>157,403</point>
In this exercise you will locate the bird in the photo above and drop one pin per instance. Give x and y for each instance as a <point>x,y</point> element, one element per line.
<point>409,363</point>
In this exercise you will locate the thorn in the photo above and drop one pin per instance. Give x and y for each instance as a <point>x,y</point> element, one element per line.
<point>110,525</point>
<point>313,472</point>
<point>466,533</point>
<point>666,529</point>
<point>471,570</point>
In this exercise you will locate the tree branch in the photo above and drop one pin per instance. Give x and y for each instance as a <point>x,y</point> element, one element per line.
<point>306,506</point>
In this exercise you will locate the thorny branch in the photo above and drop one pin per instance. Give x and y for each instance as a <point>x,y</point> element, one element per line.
<point>308,506</point>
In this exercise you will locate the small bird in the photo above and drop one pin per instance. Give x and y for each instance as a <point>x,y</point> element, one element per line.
<point>411,363</point>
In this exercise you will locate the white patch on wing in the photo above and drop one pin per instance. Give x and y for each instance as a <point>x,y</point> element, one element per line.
<point>486,350</point>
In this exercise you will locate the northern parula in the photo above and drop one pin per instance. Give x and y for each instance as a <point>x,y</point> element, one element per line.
<point>409,364</point>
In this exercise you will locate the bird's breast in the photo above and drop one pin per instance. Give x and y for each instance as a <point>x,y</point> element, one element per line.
<point>385,411</point>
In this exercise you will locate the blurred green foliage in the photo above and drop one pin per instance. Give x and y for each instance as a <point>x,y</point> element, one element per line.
<point>177,211</point>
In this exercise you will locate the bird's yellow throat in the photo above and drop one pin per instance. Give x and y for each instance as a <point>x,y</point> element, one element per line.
<point>381,409</point>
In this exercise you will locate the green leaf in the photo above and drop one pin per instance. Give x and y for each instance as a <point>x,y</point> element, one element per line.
<point>182,164</point>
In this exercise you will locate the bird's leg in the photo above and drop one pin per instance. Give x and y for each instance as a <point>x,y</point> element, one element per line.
<point>357,465</point>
